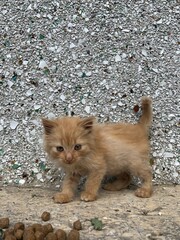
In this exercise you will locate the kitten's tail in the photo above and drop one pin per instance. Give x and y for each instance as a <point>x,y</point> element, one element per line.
<point>146,118</point>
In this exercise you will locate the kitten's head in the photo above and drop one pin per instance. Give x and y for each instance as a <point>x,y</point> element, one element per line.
<point>68,140</point>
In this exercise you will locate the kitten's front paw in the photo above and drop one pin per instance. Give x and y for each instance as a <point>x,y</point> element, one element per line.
<point>88,197</point>
<point>62,198</point>
<point>143,192</point>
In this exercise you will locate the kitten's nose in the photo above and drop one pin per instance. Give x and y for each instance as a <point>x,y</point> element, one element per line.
<point>69,157</point>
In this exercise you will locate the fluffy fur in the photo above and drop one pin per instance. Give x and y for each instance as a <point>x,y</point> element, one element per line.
<point>83,147</point>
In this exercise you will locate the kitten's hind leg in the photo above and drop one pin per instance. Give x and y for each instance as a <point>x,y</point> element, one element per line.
<point>122,181</point>
<point>145,191</point>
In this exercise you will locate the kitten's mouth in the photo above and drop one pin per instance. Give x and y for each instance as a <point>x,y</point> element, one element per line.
<point>69,162</point>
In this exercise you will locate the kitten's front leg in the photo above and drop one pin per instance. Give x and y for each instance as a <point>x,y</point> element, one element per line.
<point>69,186</point>
<point>92,186</point>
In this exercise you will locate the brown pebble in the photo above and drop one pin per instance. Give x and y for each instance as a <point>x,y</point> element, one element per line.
<point>4,223</point>
<point>77,225</point>
<point>19,234</point>
<point>61,234</point>
<point>19,225</point>
<point>29,228</point>
<point>45,216</point>
<point>37,227</point>
<point>136,108</point>
<point>28,234</point>
<point>10,237</point>
<point>9,231</point>
<point>47,228</point>
<point>73,235</point>
<point>39,235</point>
<point>51,236</point>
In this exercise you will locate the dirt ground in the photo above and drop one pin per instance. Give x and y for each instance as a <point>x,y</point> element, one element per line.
<point>124,216</point>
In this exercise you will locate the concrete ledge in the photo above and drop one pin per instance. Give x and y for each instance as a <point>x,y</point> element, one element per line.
<point>124,216</point>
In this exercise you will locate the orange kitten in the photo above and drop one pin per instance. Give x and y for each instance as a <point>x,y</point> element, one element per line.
<point>83,147</point>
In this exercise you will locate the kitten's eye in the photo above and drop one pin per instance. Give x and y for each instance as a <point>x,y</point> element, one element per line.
<point>60,149</point>
<point>77,147</point>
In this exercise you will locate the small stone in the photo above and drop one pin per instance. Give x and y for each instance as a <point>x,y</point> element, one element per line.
<point>83,101</point>
<point>124,55</point>
<point>59,49</point>
<point>77,66</point>
<point>10,237</point>
<point>155,70</point>
<point>175,175</point>
<point>72,45</point>
<point>159,21</point>
<point>154,154</point>
<point>53,49</point>
<point>29,234</point>
<point>39,176</point>
<point>49,16</point>
<point>4,12</point>
<point>114,106</point>
<point>39,235</point>
<point>22,181</point>
<point>126,30</point>
<point>87,109</point>
<point>4,223</point>
<point>168,155</point>
<point>42,64</point>
<point>144,52</point>
<point>137,85</point>
<point>73,235</point>
<point>86,30</point>
<point>117,58</point>
<point>29,93</point>
<point>19,225</point>
<point>45,216</point>
<point>13,124</point>
<point>35,122</point>
<point>47,228</point>
<point>120,104</point>
<point>136,108</point>
<point>171,115</point>
<point>88,74</point>
<point>61,234</point>
<point>10,83</point>
<point>139,68</point>
<point>35,170</point>
<point>77,225</point>
<point>83,14</point>
<point>62,97</point>
<point>25,62</point>
<point>37,227</point>
<point>19,234</point>
<point>51,236</point>
<point>9,231</point>
<point>177,163</point>
<point>37,106</point>
<point>51,115</point>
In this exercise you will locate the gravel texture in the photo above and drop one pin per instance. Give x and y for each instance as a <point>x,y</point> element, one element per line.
<point>86,58</point>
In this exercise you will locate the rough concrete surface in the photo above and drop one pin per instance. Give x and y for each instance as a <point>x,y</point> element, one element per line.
<point>124,216</point>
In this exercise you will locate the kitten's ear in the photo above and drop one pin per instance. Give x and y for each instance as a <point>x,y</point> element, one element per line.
<point>87,123</point>
<point>48,125</point>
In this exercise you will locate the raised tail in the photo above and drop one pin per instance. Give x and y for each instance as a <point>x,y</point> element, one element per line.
<point>146,118</point>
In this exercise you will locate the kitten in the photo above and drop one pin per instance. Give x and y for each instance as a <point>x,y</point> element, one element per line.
<point>83,147</point>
